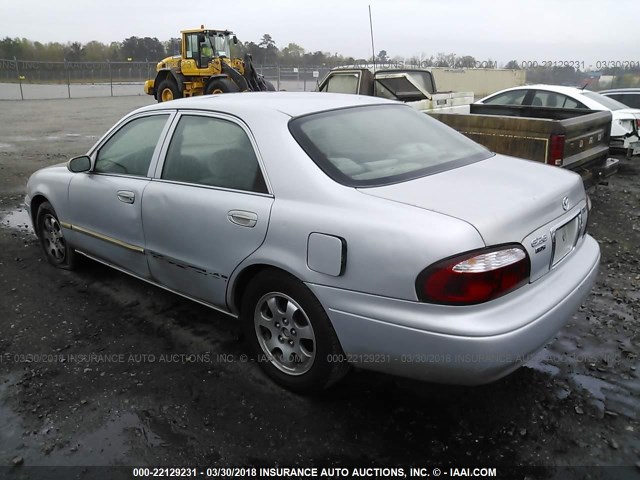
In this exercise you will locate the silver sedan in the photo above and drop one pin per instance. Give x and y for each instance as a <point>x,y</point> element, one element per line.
<point>339,230</point>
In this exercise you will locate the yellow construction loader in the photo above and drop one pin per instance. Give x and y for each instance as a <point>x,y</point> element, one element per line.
<point>205,67</point>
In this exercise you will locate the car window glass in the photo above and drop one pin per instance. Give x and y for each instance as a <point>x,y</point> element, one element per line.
<point>514,97</point>
<point>192,45</point>
<point>398,88</point>
<point>631,100</point>
<point>606,102</point>
<point>343,83</point>
<point>548,99</point>
<point>571,103</point>
<point>214,152</point>
<point>382,144</point>
<point>616,96</point>
<point>130,149</point>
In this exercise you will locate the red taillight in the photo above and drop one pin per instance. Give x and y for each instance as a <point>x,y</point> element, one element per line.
<point>638,124</point>
<point>556,150</point>
<point>474,277</point>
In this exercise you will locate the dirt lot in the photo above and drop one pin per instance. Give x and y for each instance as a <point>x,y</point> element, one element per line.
<point>142,400</point>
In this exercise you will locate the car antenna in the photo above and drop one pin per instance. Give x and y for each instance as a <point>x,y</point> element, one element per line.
<point>373,50</point>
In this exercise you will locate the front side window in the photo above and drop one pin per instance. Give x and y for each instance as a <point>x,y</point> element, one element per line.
<point>382,144</point>
<point>342,83</point>
<point>213,152</point>
<point>514,97</point>
<point>221,45</point>
<point>130,149</point>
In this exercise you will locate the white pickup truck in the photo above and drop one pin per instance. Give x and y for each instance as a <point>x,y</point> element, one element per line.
<point>416,87</point>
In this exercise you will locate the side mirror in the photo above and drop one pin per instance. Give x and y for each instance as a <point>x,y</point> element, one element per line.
<point>79,164</point>
<point>235,40</point>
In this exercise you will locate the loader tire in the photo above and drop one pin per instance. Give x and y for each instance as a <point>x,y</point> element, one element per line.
<point>168,90</point>
<point>221,85</point>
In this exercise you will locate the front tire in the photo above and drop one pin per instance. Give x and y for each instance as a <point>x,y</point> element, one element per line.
<point>221,85</point>
<point>51,236</point>
<point>289,333</point>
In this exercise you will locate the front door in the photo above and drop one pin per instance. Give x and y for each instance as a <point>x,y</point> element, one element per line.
<point>105,203</point>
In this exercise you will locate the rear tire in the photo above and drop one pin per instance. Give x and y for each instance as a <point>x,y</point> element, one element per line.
<point>221,85</point>
<point>51,236</point>
<point>168,90</point>
<point>270,86</point>
<point>289,333</point>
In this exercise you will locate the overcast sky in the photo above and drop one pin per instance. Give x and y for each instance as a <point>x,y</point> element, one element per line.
<point>578,30</point>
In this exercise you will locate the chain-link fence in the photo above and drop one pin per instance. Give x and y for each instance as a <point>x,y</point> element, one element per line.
<point>22,80</point>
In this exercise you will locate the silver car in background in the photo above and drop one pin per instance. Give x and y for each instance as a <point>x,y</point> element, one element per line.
<point>340,230</point>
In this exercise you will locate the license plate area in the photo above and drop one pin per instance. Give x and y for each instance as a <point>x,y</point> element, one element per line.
<point>564,239</point>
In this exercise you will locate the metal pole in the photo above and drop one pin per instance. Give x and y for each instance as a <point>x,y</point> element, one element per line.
<point>110,77</point>
<point>68,78</point>
<point>304,79</point>
<point>15,61</point>
<point>373,50</point>
<point>278,86</point>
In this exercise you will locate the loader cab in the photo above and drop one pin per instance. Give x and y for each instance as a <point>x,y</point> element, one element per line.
<point>204,45</point>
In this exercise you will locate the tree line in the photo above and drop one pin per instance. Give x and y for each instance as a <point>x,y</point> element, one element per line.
<point>266,52</point>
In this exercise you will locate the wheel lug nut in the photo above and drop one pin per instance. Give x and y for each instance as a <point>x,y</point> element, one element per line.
<point>280,338</point>
<point>277,325</point>
<point>285,321</point>
<point>293,331</point>
<point>291,342</point>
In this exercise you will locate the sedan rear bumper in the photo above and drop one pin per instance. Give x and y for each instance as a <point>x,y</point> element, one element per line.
<point>459,345</point>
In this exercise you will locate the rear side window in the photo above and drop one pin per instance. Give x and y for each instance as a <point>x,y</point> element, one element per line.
<point>213,152</point>
<point>631,100</point>
<point>544,98</point>
<point>130,149</point>
<point>514,97</point>
<point>382,144</point>
<point>571,103</point>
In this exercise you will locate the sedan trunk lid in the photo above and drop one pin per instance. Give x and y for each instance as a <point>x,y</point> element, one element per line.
<point>506,199</point>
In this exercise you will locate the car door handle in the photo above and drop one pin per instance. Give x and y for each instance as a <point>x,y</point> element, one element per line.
<point>242,218</point>
<point>126,196</point>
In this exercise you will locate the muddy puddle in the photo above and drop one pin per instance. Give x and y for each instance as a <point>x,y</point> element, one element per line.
<point>120,439</point>
<point>17,219</point>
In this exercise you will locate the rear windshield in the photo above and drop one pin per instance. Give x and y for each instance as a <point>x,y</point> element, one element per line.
<point>610,103</point>
<point>382,144</point>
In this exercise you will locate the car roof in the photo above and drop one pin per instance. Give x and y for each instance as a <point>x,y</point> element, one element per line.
<point>621,90</point>
<point>552,88</point>
<point>292,104</point>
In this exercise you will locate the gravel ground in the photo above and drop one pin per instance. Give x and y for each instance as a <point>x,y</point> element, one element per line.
<point>141,401</point>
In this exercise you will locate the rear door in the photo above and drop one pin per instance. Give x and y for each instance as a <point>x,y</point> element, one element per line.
<point>207,207</point>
